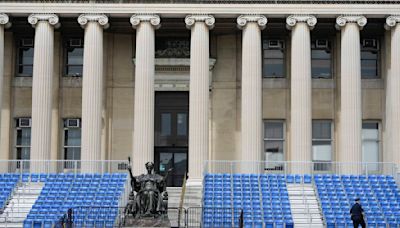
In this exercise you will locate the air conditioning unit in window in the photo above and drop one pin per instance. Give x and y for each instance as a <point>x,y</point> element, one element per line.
<point>370,43</point>
<point>24,122</point>
<point>27,42</point>
<point>75,43</point>
<point>321,44</point>
<point>275,44</point>
<point>73,123</point>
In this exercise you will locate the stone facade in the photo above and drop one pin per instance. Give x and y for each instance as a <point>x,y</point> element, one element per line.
<point>319,99</point>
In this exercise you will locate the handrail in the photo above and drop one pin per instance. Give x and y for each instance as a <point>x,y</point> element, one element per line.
<point>315,189</point>
<point>299,167</point>
<point>182,198</point>
<point>62,166</point>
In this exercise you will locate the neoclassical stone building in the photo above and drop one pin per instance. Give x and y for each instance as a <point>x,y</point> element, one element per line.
<point>181,83</point>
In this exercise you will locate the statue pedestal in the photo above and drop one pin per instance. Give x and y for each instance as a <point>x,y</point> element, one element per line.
<point>161,221</point>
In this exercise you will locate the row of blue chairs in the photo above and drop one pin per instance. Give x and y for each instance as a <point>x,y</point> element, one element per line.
<point>68,194</point>
<point>379,198</point>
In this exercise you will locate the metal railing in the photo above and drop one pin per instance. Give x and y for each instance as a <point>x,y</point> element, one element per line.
<point>62,166</point>
<point>294,167</point>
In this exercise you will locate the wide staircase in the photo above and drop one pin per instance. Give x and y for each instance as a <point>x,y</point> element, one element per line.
<point>192,201</point>
<point>305,207</point>
<point>20,203</point>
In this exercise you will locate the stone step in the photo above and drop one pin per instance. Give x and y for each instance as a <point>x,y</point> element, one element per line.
<point>301,210</point>
<point>12,225</point>
<point>309,226</point>
<point>22,200</point>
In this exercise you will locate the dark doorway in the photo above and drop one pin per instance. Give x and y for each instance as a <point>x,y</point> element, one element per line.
<point>171,135</point>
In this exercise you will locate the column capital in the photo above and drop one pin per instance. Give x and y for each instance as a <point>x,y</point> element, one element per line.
<point>102,19</point>
<point>209,20</point>
<point>242,20</point>
<point>5,20</point>
<point>392,21</point>
<point>51,18</point>
<point>152,18</point>
<point>292,20</point>
<point>342,20</point>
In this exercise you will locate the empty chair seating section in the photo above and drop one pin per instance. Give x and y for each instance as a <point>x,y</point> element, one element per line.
<point>263,198</point>
<point>94,198</point>
<point>8,181</point>
<point>379,196</point>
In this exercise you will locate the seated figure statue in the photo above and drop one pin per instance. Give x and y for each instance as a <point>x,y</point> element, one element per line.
<point>151,198</point>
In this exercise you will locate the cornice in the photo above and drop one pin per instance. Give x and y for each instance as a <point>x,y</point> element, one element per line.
<point>51,18</point>
<point>242,20</point>
<point>152,18</point>
<point>102,19</point>
<point>292,20</point>
<point>209,20</point>
<point>217,10</point>
<point>341,21</point>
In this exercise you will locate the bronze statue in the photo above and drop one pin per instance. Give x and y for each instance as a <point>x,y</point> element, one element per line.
<point>148,197</point>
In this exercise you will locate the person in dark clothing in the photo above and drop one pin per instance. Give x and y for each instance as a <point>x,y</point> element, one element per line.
<point>357,214</point>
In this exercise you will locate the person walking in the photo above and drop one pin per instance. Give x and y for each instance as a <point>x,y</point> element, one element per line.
<point>357,214</point>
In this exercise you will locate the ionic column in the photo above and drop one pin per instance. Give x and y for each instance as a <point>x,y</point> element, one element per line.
<point>198,93</point>
<point>350,117</point>
<point>92,88</point>
<point>300,92</point>
<point>143,122</point>
<point>252,136</point>
<point>393,92</point>
<point>42,82</point>
<point>4,154</point>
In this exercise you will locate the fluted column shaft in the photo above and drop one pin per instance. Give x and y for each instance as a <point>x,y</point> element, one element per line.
<point>300,92</point>
<point>350,119</point>
<point>43,61</point>
<point>393,92</point>
<point>143,123</point>
<point>199,93</point>
<point>251,124</point>
<point>4,21</point>
<point>92,89</point>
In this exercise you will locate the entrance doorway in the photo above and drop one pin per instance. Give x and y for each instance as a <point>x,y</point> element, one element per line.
<point>171,135</point>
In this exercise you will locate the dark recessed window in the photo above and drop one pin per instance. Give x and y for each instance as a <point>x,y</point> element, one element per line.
<point>23,139</point>
<point>321,59</point>
<point>322,144</point>
<point>74,58</point>
<point>273,58</point>
<point>369,58</point>
<point>72,141</point>
<point>25,57</point>
<point>274,144</point>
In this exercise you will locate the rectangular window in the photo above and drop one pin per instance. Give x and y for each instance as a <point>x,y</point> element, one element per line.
<point>72,141</point>
<point>25,57</point>
<point>273,58</point>
<point>166,124</point>
<point>74,57</point>
<point>321,59</point>
<point>369,58</point>
<point>370,144</point>
<point>274,141</point>
<point>23,138</point>
<point>322,144</point>
<point>181,124</point>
